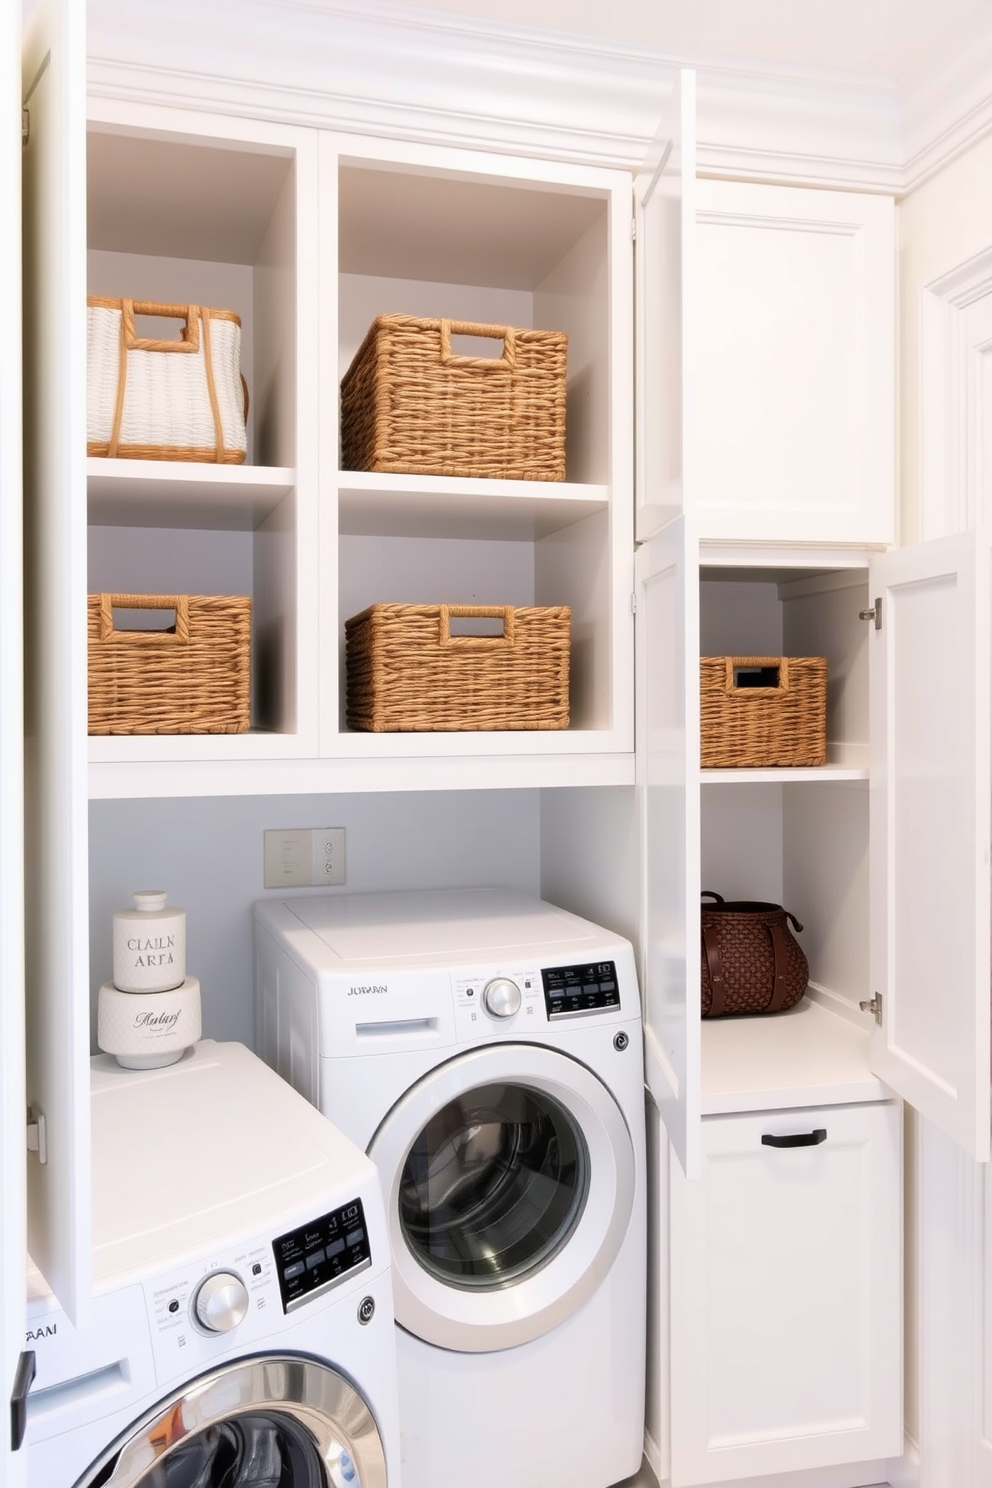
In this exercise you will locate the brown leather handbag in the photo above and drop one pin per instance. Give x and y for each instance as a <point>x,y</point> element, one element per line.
<point>751,961</point>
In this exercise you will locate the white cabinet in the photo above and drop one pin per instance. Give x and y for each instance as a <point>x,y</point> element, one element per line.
<point>12,1100</point>
<point>786,1336</point>
<point>767,378</point>
<point>308,236</point>
<point>793,359</point>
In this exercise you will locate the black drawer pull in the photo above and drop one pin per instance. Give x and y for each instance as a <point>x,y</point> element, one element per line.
<point>800,1139</point>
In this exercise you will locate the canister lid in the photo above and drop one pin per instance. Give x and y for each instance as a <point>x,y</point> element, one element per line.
<point>148,900</point>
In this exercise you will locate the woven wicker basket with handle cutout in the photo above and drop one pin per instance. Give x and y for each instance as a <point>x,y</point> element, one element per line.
<point>762,711</point>
<point>151,398</point>
<point>411,405</point>
<point>408,672</point>
<point>191,677</point>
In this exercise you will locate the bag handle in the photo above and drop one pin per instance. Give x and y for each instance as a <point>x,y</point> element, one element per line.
<point>505,613</point>
<point>177,602</point>
<point>506,334</point>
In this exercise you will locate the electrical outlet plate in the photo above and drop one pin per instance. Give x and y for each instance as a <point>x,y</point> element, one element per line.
<point>300,857</point>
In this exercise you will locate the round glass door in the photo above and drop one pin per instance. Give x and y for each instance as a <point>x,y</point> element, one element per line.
<point>493,1185</point>
<point>272,1422</point>
<point>508,1176</point>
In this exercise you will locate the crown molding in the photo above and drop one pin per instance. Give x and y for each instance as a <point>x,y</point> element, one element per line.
<point>369,66</point>
<point>948,108</point>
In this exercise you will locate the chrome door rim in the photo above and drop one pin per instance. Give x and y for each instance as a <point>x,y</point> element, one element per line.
<point>312,1394</point>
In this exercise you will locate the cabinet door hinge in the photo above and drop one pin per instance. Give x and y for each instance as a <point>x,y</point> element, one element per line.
<point>633,603</point>
<point>633,229</point>
<point>37,1134</point>
<point>875,613</point>
<point>25,126</point>
<point>874,1007</point>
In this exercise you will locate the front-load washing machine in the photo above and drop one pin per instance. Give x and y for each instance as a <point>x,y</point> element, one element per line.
<point>485,1048</point>
<point>242,1332</point>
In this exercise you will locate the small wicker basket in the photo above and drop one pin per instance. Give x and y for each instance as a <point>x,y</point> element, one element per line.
<point>192,678</point>
<point>760,711</point>
<point>409,405</point>
<point>407,672</point>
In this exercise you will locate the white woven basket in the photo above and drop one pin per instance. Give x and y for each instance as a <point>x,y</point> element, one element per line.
<point>164,400</point>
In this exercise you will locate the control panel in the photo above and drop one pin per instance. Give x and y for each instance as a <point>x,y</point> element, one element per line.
<point>315,1257</point>
<point>590,987</point>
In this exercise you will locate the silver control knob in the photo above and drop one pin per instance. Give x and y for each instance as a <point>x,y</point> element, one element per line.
<point>501,997</point>
<point>221,1302</point>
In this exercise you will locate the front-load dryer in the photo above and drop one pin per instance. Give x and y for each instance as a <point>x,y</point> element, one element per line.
<point>241,1332</point>
<point>485,1048</point>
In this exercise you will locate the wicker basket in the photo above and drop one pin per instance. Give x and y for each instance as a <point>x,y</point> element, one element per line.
<point>407,672</point>
<point>192,678</point>
<point>409,405</point>
<point>763,710</point>
<point>157,399</point>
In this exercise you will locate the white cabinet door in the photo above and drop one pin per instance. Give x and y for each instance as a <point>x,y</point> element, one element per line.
<point>664,199</point>
<point>793,363</point>
<point>667,570</point>
<point>57,966</point>
<point>12,1150</point>
<point>930,840</point>
<point>786,1294</point>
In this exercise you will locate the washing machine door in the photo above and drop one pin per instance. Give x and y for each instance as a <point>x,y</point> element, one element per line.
<point>509,1176</point>
<point>277,1421</point>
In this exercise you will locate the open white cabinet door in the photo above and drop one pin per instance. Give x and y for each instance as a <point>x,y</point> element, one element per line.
<point>930,839</point>
<point>12,1101</point>
<point>665,219</point>
<point>667,574</point>
<point>56,958</point>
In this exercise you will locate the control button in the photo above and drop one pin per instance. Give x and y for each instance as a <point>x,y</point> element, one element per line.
<point>173,1305</point>
<point>620,1041</point>
<point>366,1310</point>
<point>256,1270</point>
<point>293,1271</point>
<point>501,997</point>
<point>335,1249</point>
<point>221,1302</point>
<point>354,1238</point>
<point>315,1259</point>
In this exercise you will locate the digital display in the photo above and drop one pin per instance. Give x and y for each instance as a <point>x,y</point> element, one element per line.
<point>589,988</point>
<point>319,1254</point>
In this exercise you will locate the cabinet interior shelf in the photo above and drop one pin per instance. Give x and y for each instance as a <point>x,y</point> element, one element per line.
<point>155,493</point>
<point>371,505</point>
<point>808,1056</point>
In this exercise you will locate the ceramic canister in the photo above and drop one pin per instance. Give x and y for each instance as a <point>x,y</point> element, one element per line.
<point>145,1032</point>
<point>149,944</point>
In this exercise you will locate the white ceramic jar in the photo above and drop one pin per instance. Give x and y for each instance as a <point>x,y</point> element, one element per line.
<point>150,1030</point>
<point>149,944</point>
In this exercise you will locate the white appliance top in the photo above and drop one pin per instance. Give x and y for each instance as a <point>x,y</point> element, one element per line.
<point>441,927</point>
<point>203,1153</point>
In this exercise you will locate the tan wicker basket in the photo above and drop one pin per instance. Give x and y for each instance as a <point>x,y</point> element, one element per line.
<point>192,678</point>
<point>763,710</point>
<point>407,672</point>
<point>409,405</point>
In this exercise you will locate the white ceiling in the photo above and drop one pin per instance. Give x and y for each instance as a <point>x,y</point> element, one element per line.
<point>888,41</point>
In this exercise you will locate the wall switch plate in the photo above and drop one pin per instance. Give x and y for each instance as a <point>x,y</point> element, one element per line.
<point>299,857</point>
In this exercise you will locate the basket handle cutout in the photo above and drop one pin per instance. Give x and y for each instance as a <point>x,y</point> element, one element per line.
<point>767,673</point>
<point>172,608</point>
<point>474,625</point>
<point>449,358</point>
<point>189,336</point>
